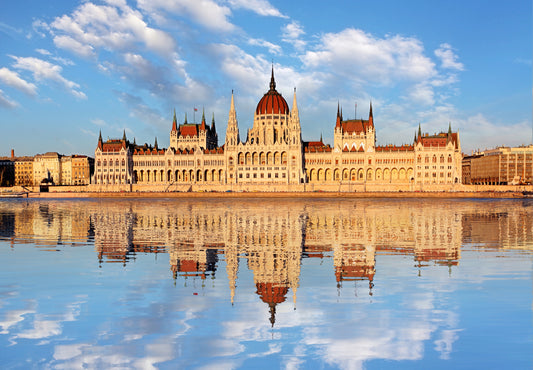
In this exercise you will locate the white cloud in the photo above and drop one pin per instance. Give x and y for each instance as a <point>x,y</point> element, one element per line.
<point>92,27</point>
<point>361,56</point>
<point>291,34</point>
<point>99,122</point>
<point>421,94</point>
<point>242,68</point>
<point>492,133</point>
<point>261,7</point>
<point>448,58</point>
<point>43,70</point>
<point>68,43</point>
<point>12,79</point>
<point>272,48</point>
<point>142,111</point>
<point>43,51</point>
<point>39,27</point>
<point>207,13</point>
<point>5,102</point>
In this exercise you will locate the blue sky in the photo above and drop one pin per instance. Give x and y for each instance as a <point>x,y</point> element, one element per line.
<point>70,69</point>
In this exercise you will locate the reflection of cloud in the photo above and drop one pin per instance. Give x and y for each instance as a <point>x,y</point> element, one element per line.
<point>13,317</point>
<point>444,345</point>
<point>41,329</point>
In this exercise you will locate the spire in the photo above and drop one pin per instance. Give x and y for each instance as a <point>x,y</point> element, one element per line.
<point>272,81</point>
<point>124,136</point>
<point>338,123</point>
<point>232,130</point>
<point>321,138</point>
<point>155,144</point>
<point>419,132</point>
<point>370,115</point>
<point>450,128</point>
<point>232,106</point>
<point>202,127</point>
<point>174,122</point>
<point>213,128</point>
<point>185,119</point>
<point>100,141</point>
<point>294,105</point>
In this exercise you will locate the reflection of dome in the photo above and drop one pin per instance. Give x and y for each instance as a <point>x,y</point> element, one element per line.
<point>272,294</point>
<point>272,102</point>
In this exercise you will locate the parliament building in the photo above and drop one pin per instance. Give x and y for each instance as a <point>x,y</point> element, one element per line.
<point>273,157</point>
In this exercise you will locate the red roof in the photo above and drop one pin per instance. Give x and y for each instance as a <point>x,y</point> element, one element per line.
<point>188,130</point>
<point>394,148</point>
<point>356,126</point>
<point>113,146</point>
<point>439,140</point>
<point>272,102</point>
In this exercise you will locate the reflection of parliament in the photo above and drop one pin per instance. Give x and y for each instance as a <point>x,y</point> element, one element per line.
<point>273,157</point>
<point>271,239</point>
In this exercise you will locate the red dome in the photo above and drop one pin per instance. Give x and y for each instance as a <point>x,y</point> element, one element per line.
<point>272,102</point>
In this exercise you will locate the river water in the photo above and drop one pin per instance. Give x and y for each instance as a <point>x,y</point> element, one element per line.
<point>266,283</point>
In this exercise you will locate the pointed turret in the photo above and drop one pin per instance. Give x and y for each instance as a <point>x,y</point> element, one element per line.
<point>370,115</point>
<point>213,128</point>
<point>232,131</point>
<point>155,144</point>
<point>185,119</point>
<point>449,132</point>
<point>174,122</point>
<point>272,80</point>
<point>100,141</point>
<point>338,123</point>
<point>202,126</point>
<point>124,136</point>
<point>419,132</point>
<point>294,105</point>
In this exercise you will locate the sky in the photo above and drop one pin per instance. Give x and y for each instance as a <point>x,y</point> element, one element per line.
<point>72,69</point>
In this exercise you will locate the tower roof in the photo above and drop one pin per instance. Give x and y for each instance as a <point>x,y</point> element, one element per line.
<point>272,102</point>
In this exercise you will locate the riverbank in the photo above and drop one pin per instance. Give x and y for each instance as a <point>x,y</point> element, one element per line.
<point>459,194</point>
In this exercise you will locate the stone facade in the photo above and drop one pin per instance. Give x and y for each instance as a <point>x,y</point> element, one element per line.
<point>47,167</point>
<point>273,157</point>
<point>24,171</point>
<point>500,166</point>
<point>113,162</point>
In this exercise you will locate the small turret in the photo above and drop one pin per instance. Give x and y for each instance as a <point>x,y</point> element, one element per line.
<point>370,116</point>
<point>338,124</point>
<point>174,122</point>
<point>213,128</point>
<point>202,125</point>
<point>100,141</point>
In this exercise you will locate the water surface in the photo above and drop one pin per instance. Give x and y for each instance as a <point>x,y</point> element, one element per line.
<point>266,283</point>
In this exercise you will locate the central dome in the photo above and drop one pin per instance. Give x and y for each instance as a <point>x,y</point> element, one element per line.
<point>272,102</point>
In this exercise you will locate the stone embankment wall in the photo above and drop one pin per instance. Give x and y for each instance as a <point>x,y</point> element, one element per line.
<point>305,190</point>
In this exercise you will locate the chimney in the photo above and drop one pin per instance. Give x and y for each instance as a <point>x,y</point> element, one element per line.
<point>12,153</point>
